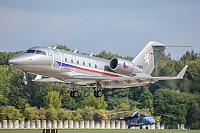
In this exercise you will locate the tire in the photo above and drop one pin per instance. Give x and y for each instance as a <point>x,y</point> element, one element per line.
<point>75,93</point>
<point>99,93</point>
<point>24,82</point>
<point>72,94</point>
<point>95,94</point>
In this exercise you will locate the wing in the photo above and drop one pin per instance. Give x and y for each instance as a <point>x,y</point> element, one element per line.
<point>130,81</point>
<point>111,82</point>
<point>55,81</point>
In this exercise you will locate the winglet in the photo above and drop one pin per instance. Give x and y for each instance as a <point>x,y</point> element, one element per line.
<point>75,51</point>
<point>55,47</point>
<point>181,74</point>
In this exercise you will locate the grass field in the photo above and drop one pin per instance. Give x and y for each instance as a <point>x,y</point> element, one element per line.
<point>97,131</point>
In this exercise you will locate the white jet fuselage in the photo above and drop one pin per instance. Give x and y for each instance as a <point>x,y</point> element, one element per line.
<point>64,67</point>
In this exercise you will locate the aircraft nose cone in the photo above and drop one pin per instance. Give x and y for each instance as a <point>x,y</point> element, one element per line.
<point>17,60</point>
<point>12,61</point>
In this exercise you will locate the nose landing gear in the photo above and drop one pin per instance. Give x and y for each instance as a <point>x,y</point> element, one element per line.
<point>24,81</point>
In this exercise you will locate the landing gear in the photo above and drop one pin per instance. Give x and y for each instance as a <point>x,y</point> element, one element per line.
<point>24,81</point>
<point>73,93</point>
<point>98,91</point>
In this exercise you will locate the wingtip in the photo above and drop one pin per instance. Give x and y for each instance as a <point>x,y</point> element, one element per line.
<point>181,74</point>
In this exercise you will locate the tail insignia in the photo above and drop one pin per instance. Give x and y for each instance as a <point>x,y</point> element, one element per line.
<point>147,58</point>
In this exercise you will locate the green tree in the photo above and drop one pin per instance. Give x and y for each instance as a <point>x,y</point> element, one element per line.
<point>122,107</point>
<point>190,55</point>
<point>5,56</point>
<point>51,114</point>
<point>4,85</point>
<point>76,116</point>
<point>171,105</point>
<point>10,113</point>
<point>31,113</point>
<point>42,113</point>
<point>193,111</point>
<point>146,101</point>
<point>52,100</point>
<point>98,103</point>
<point>62,114</point>
<point>87,113</point>
<point>63,47</point>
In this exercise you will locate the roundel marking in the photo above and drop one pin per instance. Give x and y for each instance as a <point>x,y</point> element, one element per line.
<point>125,65</point>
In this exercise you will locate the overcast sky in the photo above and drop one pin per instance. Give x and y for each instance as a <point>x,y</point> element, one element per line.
<point>117,26</point>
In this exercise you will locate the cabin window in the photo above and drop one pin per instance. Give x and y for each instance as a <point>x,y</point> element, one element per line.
<point>40,52</point>
<point>77,62</point>
<point>84,63</point>
<point>89,64</point>
<point>72,61</point>
<point>95,65</point>
<point>65,59</point>
<point>30,51</point>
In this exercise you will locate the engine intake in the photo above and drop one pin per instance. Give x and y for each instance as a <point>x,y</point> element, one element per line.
<point>122,66</point>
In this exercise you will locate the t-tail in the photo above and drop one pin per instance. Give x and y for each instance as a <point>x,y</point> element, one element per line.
<point>149,56</point>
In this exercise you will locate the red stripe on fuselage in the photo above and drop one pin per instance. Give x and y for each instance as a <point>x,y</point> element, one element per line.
<point>99,72</point>
<point>93,71</point>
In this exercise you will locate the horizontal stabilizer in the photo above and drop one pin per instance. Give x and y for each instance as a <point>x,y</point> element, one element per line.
<point>177,46</point>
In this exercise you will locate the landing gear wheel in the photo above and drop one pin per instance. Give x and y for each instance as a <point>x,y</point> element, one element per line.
<point>98,90</point>
<point>74,94</point>
<point>98,93</point>
<point>24,82</point>
<point>95,93</point>
<point>71,94</point>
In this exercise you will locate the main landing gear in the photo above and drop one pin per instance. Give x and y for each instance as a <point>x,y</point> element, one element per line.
<point>98,91</point>
<point>73,93</point>
<point>24,81</point>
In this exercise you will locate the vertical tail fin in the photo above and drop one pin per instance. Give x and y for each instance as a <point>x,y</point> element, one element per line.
<point>149,56</point>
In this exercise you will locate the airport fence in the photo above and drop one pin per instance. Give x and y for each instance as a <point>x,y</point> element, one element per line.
<point>70,124</point>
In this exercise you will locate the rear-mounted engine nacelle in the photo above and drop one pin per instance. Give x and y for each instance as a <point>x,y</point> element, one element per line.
<point>122,66</point>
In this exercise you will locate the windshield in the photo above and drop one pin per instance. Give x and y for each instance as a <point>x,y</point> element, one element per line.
<point>30,51</point>
<point>36,52</point>
<point>40,52</point>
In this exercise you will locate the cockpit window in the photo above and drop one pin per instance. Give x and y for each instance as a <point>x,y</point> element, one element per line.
<point>40,52</point>
<point>30,51</point>
<point>36,52</point>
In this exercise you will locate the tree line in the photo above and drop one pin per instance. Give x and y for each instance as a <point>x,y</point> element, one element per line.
<point>170,102</point>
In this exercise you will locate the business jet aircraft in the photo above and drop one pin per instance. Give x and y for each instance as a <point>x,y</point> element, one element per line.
<point>72,69</point>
